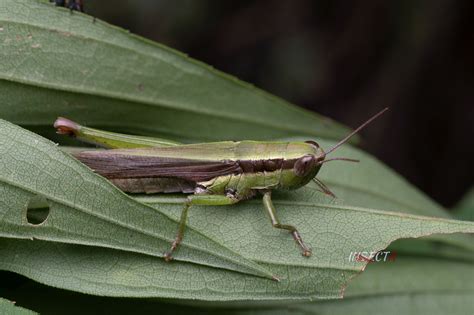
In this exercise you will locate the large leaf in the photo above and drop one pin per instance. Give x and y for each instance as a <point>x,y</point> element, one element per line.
<point>100,241</point>
<point>405,286</point>
<point>55,63</point>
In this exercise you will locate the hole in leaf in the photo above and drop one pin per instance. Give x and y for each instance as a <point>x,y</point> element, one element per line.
<point>37,211</point>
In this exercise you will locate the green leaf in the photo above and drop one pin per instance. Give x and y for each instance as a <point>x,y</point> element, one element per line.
<point>121,238</point>
<point>404,286</point>
<point>55,63</point>
<point>7,307</point>
<point>464,210</point>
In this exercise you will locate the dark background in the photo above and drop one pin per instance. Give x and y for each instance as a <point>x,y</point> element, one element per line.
<point>346,60</point>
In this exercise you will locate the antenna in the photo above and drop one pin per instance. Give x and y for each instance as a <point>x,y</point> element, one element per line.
<point>339,159</point>
<point>357,130</point>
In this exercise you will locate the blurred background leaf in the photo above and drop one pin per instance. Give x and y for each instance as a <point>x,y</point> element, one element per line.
<point>464,209</point>
<point>60,64</point>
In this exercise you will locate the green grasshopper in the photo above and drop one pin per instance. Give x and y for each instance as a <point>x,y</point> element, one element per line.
<point>215,173</point>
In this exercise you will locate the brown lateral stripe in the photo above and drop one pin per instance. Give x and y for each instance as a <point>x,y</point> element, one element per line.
<point>270,165</point>
<point>116,166</point>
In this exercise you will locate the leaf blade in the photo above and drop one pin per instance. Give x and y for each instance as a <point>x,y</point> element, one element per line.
<point>240,234</point>
<point>96,74</point>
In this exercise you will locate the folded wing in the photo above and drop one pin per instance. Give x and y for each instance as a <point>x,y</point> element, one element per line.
<point>122,166</point>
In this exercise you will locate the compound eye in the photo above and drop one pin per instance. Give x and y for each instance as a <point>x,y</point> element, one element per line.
<point>304,165</point>
<point>314,143</point>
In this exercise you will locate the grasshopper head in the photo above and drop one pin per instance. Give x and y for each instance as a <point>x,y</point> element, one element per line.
<point>305,167</point>
<point>309,164</point>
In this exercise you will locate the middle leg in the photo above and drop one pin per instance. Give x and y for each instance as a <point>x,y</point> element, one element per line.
<point>267,202</point>
<point>204,200</point>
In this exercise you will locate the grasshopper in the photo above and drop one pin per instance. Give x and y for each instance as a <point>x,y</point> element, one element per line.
<point>215,173</point>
